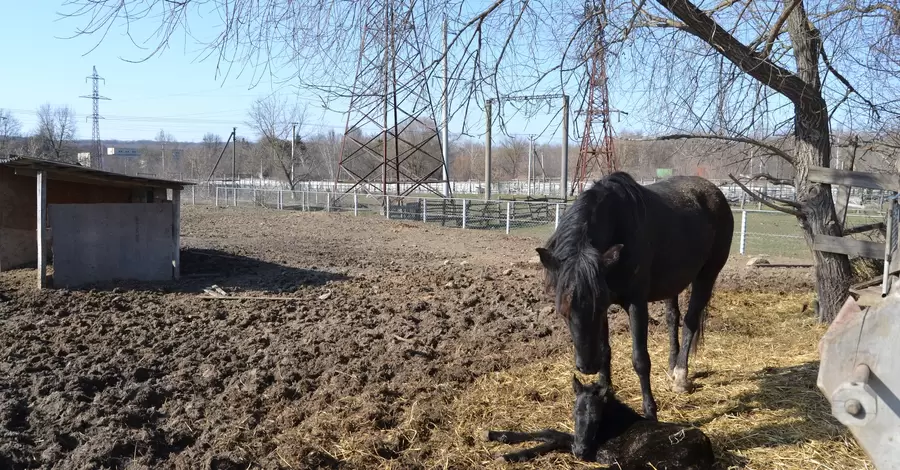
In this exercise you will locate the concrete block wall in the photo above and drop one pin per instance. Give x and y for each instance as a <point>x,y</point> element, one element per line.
<point>110,242</point>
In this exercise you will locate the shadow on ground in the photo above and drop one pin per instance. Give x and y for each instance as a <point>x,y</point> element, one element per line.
<point>235,274</point>
<point>791,393</point>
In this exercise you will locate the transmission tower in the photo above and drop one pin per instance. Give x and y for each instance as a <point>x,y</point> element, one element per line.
<point>597,154</point>
<point>391,92</point>
<point>96,151</point>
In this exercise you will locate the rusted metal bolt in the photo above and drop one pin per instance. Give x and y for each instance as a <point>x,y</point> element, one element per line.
<point>853,406</point>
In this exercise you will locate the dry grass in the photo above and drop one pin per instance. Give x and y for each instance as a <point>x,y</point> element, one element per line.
<point>755,395</point>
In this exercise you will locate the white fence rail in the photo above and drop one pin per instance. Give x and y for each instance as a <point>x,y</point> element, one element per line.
<point>757,232</point>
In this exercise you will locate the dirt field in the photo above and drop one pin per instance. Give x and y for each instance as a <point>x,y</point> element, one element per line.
<point>392,333</point>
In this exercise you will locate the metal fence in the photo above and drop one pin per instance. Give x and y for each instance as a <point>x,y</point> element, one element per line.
<point>757,232</point>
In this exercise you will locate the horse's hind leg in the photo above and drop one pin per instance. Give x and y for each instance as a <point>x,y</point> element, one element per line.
<point>673,318</point>
<point>701,292</point>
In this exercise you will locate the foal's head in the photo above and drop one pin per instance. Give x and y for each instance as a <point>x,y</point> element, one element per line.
<point>590,403</point>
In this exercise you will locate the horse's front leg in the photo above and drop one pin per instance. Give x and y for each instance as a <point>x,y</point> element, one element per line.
<point>552,439</point>
<point>517,437</point>
<point>604,375</point>
<point>639,315</point>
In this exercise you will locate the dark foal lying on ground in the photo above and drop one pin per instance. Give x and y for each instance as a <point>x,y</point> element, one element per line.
<point>609,432</point>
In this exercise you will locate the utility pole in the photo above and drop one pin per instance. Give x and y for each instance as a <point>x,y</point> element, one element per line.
<point>446,111</point>
<point>487,151</point>
<point>293,139</point>
<point>563,177</point>
<point>530,160</point>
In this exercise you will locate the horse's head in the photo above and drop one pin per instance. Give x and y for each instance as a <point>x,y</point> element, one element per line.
<point>590,402</point>
<point>582,298</point>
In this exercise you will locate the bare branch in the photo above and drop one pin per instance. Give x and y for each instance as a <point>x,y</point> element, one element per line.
<point>745,140</point>
<point>771,179</point>
<point>765,200</point>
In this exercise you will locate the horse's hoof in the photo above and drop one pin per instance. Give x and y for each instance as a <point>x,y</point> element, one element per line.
<point>681,384</point>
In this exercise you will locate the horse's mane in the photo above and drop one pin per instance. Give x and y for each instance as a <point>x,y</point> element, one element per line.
<point>617,195</point>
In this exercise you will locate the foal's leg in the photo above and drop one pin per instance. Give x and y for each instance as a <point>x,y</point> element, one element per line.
<point>640,358</point>
<point>673,318</point>
<point>552,439</point>
<point>701,292</point>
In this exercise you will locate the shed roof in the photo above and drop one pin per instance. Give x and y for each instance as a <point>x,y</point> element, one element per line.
<point>76,173</point>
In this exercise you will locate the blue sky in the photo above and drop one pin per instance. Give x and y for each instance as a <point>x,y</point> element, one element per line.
<point>171,91</point>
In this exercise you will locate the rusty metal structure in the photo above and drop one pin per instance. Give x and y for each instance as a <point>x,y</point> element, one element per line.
<point>391,93</point>
<point>596,156</point>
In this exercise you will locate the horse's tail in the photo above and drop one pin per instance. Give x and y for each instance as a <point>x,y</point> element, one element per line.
<point>701,327</point>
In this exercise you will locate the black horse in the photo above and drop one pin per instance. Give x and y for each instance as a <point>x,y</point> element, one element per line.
<point>627,244</point>
<point>609,432</point>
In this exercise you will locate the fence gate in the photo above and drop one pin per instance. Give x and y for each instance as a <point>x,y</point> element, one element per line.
<point>874,290</point>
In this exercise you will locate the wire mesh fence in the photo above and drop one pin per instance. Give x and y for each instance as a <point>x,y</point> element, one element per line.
<point>757,232</point>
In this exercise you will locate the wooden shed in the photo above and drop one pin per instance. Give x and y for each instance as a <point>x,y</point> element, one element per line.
<point>98,226</point>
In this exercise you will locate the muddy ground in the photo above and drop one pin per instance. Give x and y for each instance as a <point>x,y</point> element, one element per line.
<point>387,322</point>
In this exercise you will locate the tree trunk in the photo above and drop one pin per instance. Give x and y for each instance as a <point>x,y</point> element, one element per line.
<point>811,130</point>
<point>813,148</point>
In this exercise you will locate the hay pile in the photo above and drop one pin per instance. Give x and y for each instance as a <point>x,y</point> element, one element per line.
<point>754,395</point>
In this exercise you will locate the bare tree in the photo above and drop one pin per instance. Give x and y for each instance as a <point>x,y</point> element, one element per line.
<point>273,119</point>
<point>55,132</point>
<point>10,131</point>
<point>742,72</point>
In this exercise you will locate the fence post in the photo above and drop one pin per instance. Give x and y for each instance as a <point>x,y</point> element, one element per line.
<point>217,196</point>
<point>424,210</point>
<point>743,245</point>
<point>355,204</point>
<point>556,224</point>
<point>387,207</point>
<point>508,214</point>
<point>280,199</point>
<point>464,213</point>
<point>327,202</point>
<point>193,196</point>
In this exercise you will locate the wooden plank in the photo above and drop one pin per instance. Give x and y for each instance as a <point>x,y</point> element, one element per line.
<point>42,247</point>
<point>856,179</point>
<point>864,228</point>
<point>848,246</point>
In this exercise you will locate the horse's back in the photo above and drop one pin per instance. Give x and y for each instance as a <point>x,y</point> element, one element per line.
<point>690,226</point>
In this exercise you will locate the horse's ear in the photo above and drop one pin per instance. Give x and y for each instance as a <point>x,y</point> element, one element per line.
<point>547,259</point>
<point>611,256</point>
<point>576,385</point>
